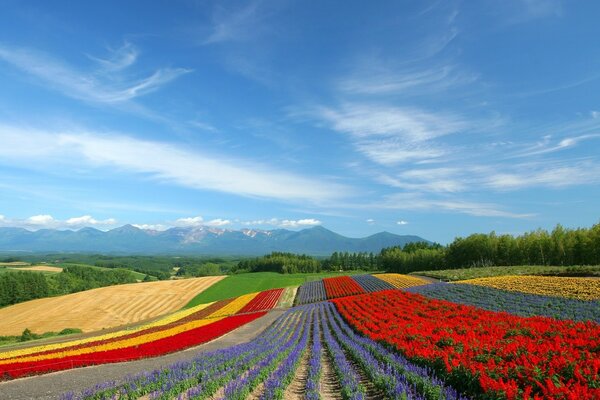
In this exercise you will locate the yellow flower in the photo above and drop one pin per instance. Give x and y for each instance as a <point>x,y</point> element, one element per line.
<point>402,281</point>
<point>573,288</point>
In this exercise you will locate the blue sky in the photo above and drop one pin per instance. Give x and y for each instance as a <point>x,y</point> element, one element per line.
<point>435,118</point>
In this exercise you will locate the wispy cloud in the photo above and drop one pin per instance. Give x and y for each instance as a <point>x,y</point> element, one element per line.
<point>96,86</point>
<point>405,81</point>
<point>402,222</point>
<point>237,25</point>
<point>417,202</point>
<point>548,145</point>
<point>117,59</point>
<point>388,134</point>
<point>166,163</point>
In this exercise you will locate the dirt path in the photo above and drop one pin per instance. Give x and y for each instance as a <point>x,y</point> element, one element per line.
<point>296,389</point>
<point>329,383</point>
<point>51,386</point>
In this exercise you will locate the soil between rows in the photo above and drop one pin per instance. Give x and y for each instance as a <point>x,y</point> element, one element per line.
<point>51,386</point>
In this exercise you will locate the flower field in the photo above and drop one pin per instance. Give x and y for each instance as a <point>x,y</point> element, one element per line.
<point>401,281</point>
<point>483,353</point>
<point>332,288</point>
<point>573,288</point>
<point>309,337</point>
<point>181,330</point>
<point>523,304</point>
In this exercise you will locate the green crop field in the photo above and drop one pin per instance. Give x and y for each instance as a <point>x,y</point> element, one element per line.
<point>237,285</point>
<point>471,273</point>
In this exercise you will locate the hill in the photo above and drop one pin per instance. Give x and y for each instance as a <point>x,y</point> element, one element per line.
<point>197,240</point>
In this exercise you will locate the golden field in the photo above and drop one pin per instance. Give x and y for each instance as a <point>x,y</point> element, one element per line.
<point>573,288</point>
<point>106,307</point>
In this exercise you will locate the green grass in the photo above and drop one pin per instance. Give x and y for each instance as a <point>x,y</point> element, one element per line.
<point>471,273</point>
<point>237,285</point>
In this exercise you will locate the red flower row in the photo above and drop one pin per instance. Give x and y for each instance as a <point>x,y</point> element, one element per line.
<point>263,301</point>
<point>484,352</point>
<point>341,286</point>
<point>150,349</point>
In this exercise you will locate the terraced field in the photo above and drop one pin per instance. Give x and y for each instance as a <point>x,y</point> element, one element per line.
<point>102,308</point>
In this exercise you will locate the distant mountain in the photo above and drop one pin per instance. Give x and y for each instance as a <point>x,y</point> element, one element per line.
<point>197,240</point>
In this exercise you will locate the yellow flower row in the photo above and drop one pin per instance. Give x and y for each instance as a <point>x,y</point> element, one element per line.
<point>402,281</point>
<point>113,335</point>
<point>120,344</point>
<point>233,307</point>
<point>574,288</point>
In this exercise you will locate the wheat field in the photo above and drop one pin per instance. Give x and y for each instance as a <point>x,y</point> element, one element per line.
<point>101,308</point>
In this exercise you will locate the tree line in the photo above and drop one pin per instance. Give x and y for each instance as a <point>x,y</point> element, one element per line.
<point>561,246</point>
<point>16,287</point>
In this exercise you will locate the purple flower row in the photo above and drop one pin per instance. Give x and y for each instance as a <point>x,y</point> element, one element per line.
<point>311,292</point>
<point>523,304</point>
<point>371,283</point>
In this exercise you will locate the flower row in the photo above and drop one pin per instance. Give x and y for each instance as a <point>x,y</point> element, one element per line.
<point>483,353</point>
<point>523,304</point>
<point>401,281</point>
<point>341,286</point>
<point>573,288</point>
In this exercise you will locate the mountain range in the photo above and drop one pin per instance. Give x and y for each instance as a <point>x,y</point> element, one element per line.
<point>195,240</point>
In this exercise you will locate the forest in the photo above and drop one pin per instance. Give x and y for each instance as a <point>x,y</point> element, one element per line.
<point>559,247</point>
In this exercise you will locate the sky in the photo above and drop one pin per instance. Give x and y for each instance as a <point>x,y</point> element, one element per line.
<point>433,118</point>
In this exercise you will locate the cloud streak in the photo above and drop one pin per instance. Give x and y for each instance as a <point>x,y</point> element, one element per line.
<point>95,86</point>
<point>166,163</point>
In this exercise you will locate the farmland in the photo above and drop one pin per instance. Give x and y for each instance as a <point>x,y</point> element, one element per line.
<point>102,308</point>
<point>384,336</point>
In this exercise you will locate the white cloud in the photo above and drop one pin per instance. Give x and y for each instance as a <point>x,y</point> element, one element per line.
<point>402,222</point>
<point>218,222</point>
<point>164,162</point>
<point>190,221</point>
<point>152,227</point>
<point>99,87</point>
<point>40,220</point>
<point>46,221</point>
<point>595,114</point>
<point>370,221</point>
<point>286,223</point>
<point>88,220</point>
<point>2,217</point>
